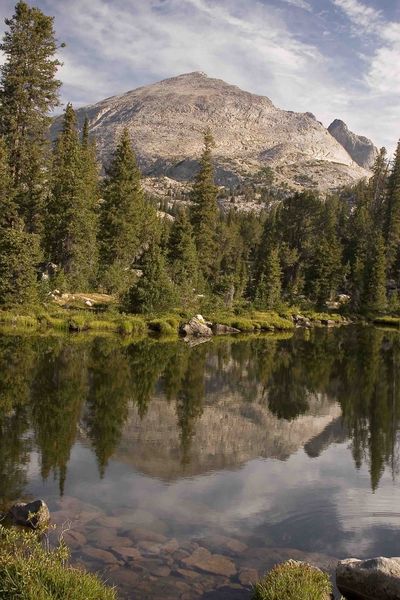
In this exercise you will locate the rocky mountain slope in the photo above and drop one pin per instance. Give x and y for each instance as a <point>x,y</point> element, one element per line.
<point>360,148</point>
<point>167,120</point>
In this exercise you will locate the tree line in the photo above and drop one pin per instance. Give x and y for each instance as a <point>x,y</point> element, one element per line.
<point>102,232</point>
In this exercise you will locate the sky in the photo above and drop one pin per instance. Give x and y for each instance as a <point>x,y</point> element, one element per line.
<point>334,58</point>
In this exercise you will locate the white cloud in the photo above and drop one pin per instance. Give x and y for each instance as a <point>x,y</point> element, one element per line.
<point>382,76</point>
<point>300,4</point>
<point>364,17</point>
<point>116,46</point>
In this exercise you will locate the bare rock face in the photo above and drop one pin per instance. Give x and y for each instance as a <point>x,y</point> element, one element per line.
<point>369,579</point>
<point>167,120</point>
<point>360,148</point>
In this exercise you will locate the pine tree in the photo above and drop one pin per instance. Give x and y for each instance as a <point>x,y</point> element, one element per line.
<point>71,222</point>
<point>121,218</point>
<point>268,291</point>
<point>205,211</point>
<point>326,270</point>
<point>91,195</point>
<point>375,299</point>
<point>182,256</point>
<point>361,228</point>
<point>19,251</point>
<point>393,215</point>
<point>154,290</point>
<point>28,93</point>
<point>378,187</point>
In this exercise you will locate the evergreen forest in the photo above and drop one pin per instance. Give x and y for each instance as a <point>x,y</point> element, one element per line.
<point>100,232</point>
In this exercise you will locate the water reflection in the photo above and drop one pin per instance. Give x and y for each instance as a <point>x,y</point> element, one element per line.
<point>142,401</point>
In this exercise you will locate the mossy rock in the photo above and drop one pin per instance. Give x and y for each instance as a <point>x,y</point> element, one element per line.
<point>293,580</point>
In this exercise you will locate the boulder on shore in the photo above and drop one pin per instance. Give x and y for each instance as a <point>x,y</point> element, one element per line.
<point>31,514</point>
<point>197,327</point>
<point>372,579</point>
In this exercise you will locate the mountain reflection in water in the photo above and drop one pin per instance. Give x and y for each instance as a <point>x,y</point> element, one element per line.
<point>276,435</point>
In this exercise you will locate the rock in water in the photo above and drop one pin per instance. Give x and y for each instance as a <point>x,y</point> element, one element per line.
<point>373,579</point>
<point>219,329</point>
<point>197,327</point>
<point>360,148</point>
<point>32,514</point>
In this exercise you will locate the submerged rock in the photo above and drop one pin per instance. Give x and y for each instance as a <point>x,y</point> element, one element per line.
<point>373,579</point>
<point>216,564</point>
<point>31,514</point>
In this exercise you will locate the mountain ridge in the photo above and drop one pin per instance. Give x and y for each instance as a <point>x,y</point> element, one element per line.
<point>167,120</point>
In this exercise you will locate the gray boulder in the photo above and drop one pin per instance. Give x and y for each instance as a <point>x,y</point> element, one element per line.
<point>34,514</point>
<point>373,579</point>
<point>197,327</point>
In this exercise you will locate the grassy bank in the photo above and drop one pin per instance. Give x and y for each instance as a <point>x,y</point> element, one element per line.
<point>106,318</point>
<point>293,581</point>
<point>31,571</point>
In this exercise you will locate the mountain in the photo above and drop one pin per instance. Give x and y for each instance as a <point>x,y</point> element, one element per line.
<point>360,148</point>
<point>167,120</point>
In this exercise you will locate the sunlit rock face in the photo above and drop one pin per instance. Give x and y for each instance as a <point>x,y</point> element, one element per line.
<point>360,148</point>
<point>228,433</point>
<point>167,120</point>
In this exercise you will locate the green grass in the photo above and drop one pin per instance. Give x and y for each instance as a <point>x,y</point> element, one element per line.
<point>30,571</point>
<point>293,581</point>
<point>253,321</point>
<point>164,325</point>
<point>318,316</point>
<point>111,321</point>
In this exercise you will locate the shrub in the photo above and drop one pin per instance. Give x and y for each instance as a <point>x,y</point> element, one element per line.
<point>166,326</point>
<point>133,326</point>
<point>31,571</point>
<point>293,580</point>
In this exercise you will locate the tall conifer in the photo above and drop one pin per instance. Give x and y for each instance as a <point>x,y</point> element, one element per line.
<point>154,290</point>
<point>205,211</point>
<point>28,93</point>
<point>121,218</point>
<point>19,250</point>
<point>182,256</point>
<point>375,298</point>
<point>71,221</point>
<point>268,291</point>
<point>393,215</point>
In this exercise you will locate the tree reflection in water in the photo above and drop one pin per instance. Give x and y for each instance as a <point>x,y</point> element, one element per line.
<point>53,390</point>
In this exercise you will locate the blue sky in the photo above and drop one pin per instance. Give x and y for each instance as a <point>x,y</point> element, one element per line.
<point>335,58</point>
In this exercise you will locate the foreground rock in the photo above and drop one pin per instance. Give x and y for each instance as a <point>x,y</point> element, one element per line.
<point>197,327</point>
<point>373,579</point>
<point>31,514</point>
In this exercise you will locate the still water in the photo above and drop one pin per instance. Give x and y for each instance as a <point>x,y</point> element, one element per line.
<point>187,472</point>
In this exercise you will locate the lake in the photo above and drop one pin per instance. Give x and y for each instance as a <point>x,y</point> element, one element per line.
<point>185,472</point>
